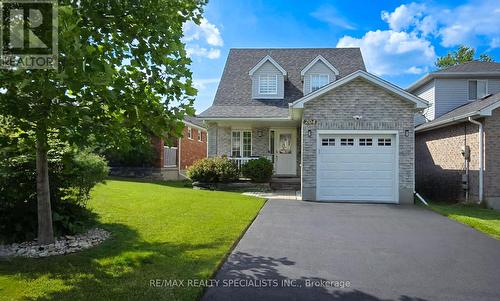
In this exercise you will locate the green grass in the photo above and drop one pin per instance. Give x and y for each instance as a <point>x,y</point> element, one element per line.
<point>484,220</point>
<point>159,232</point>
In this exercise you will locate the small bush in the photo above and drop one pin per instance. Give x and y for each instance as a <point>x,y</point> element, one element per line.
<point>259,170</point>
<point>213,170</point>
<point>72,175</point>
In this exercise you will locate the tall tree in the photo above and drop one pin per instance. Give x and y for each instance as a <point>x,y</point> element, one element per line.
<point>121,63</point>
<point>461,55</point>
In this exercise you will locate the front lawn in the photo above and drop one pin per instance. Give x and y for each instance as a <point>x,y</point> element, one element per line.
<point>159,232</point>
<point>484,220</point>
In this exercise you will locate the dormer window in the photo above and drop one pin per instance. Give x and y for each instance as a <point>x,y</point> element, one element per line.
<point>318,81</point>
<point>268,84</point>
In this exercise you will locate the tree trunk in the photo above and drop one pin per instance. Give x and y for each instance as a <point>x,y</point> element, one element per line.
<point>45,230</point>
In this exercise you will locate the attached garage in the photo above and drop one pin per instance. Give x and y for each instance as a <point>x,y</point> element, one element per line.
<point>358,141</point>
<point>357,167</point>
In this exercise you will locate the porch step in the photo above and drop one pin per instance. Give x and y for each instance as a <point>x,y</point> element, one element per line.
<point>285,183</point>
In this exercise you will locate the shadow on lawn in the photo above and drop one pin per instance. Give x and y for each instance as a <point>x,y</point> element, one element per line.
<point>261,269</point>
<point>119,269</point>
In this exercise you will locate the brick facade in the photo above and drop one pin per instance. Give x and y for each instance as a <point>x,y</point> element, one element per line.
<point>440,164</point>
<point>380,111</point>
<point>189,150</point>
<point>192,150</point>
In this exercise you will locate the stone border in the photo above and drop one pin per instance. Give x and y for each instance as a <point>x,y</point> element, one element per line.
<point>63,245</point>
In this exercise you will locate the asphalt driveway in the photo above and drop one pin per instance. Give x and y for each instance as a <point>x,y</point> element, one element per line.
<point>328,251</point>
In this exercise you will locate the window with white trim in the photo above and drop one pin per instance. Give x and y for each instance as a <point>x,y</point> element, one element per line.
<point>268,84</point>
<point>318,81</point>
<point>241,144</point>
<point>200,137</point>
<point>190,133</point>
<point>477,89</point>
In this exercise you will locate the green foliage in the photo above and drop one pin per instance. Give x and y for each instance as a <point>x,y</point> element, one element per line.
<point>213,170</point>
<point>135,150</point>
<point>462,55</point>
<point>259,170</point>
<point>73,173</point>
<point>85,170</point>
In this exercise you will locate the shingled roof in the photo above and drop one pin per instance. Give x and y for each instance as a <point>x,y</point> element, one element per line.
<point>234,94</point>
<point>473,68</point>
<point>474,108</point>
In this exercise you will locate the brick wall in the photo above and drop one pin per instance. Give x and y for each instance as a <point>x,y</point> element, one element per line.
<point>492,159</point>
<point>440,164</point>
<point>192,150</point>
<point>380,111</point>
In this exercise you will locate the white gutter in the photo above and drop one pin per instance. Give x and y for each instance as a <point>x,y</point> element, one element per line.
<point>481,158</point>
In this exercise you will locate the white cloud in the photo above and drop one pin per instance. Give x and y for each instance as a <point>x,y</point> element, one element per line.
<point>202,40</point>
<point>389,52</point>
<point>197,50</point>
<point>406,48</point>
<point>403,16</point>
<point>330,15</point>
<point>473,23</point>
<point>202,83</point>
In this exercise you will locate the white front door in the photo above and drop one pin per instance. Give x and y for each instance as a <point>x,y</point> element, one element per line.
<point>357,167</point>
<point>285,151</point>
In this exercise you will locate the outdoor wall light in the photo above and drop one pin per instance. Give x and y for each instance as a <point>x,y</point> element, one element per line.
<point>309,133</point>
<point>259,133</point>
<point>407,133</point>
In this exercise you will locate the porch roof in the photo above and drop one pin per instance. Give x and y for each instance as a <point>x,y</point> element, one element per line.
<point>239,111</point>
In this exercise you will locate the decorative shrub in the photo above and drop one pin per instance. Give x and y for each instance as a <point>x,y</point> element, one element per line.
<point>72,176</point>
<point>258,170</point>
<point>213,170</point>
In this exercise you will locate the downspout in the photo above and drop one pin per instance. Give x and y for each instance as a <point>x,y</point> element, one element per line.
<point>481,158</point>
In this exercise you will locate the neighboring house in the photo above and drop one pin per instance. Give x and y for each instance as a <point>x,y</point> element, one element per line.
<point>172,161</point>
<point>318,115</point>
<point>454,86</point>
<point>458,151</point>
<point>192,146</point>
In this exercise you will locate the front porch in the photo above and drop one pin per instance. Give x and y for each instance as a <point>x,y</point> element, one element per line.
<point>243,141</point>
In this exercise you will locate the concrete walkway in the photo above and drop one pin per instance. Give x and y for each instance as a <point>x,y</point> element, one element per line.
<point>318,251</point>
<point>277,195</point>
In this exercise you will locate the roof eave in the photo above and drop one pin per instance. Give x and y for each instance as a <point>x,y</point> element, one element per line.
<point>423,80</point>
<point>419,102</point>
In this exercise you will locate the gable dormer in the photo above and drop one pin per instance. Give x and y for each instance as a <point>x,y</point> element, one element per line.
<point>318,73</point>
<point>268,79</point>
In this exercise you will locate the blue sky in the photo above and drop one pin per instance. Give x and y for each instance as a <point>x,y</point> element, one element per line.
<point>400,41</point>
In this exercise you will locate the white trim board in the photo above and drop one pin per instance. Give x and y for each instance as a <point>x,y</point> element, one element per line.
<point>419,102</point>
<point>324,61</point>
<point>265,59</point>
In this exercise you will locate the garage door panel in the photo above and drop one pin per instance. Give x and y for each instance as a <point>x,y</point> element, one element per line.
<point>357,172</point>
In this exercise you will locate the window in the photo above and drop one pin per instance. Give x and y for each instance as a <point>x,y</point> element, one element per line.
<point>347,141</point>
<point>365,142</point>
<point>268,84</point>
<point>477,89</point>
<point>318,81</point>
<point>190,133</point>
<point>384,141</point>
<point>241,144</point>
<point>328,141</point>
<point>200,135</point>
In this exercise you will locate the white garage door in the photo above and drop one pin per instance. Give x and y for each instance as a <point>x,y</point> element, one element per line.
<point>360,168</point>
